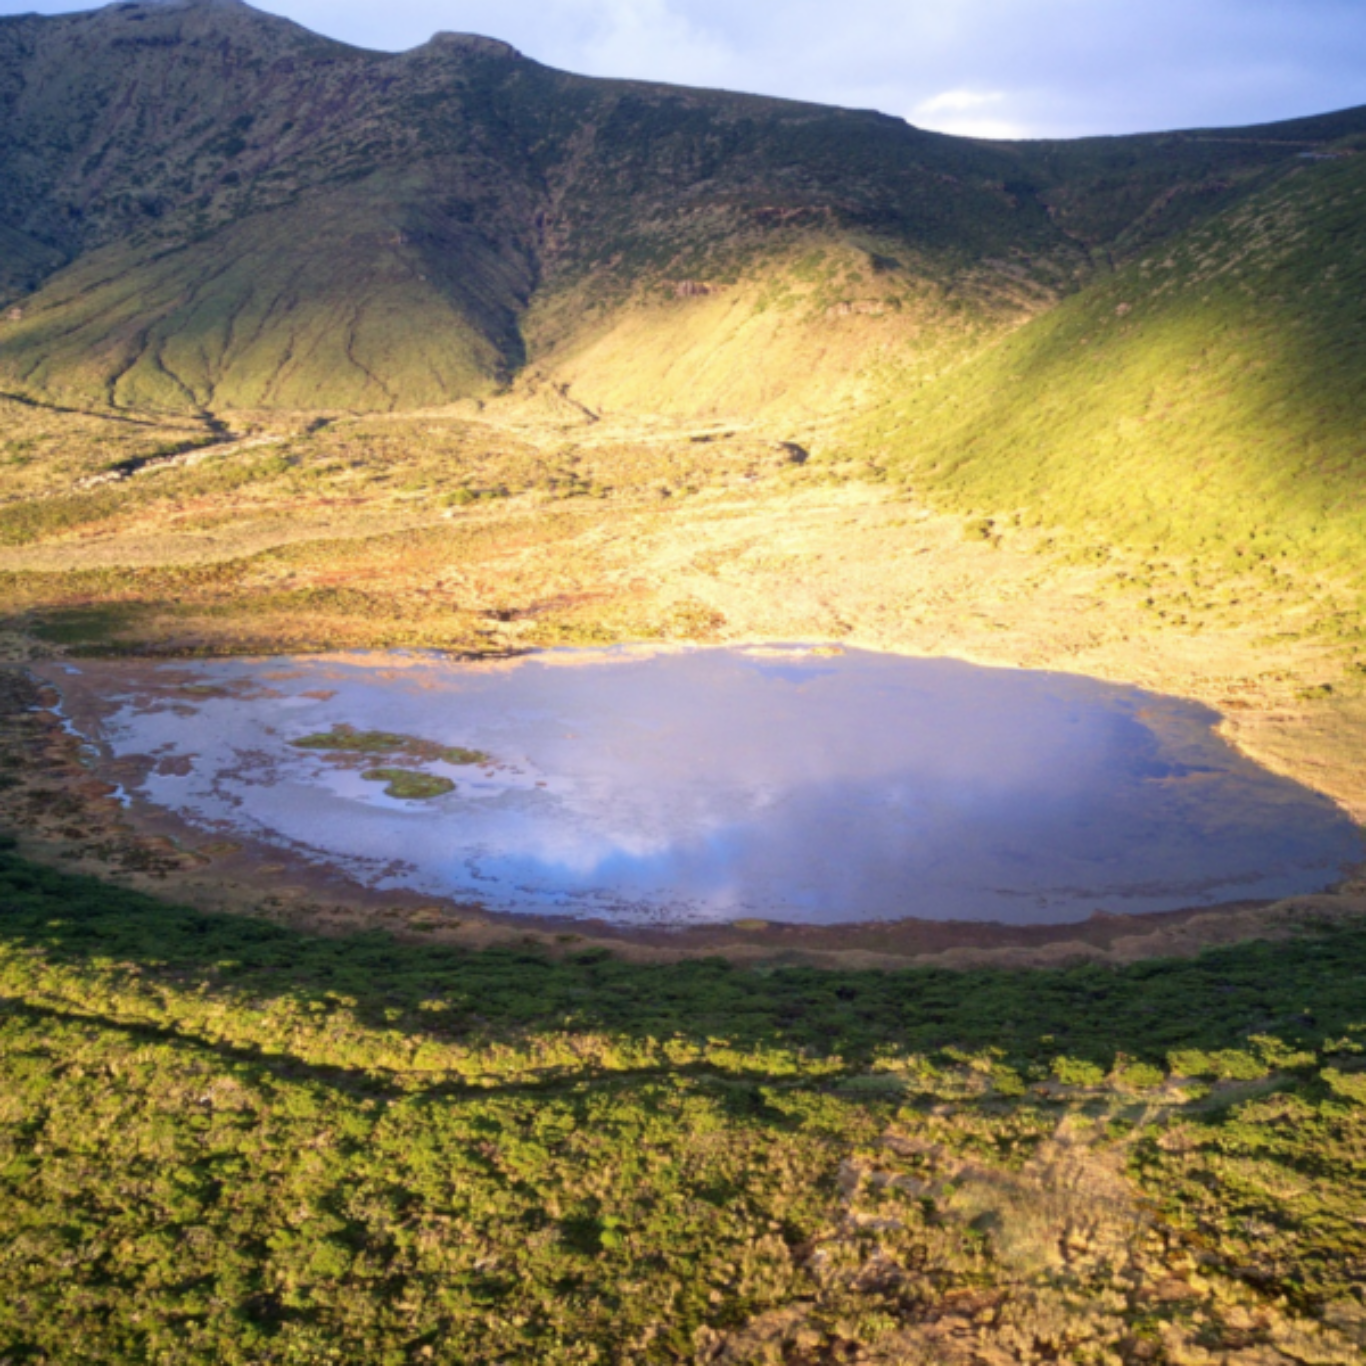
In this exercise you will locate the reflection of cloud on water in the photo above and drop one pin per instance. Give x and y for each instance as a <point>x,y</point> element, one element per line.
<point>704,780</point>
<point>579,851</point>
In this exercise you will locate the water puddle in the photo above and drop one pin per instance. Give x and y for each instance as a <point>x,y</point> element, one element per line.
<point>713,785</point>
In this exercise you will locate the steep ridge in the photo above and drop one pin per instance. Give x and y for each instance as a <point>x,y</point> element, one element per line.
<point>1207,401</point>
<point>206,208</point>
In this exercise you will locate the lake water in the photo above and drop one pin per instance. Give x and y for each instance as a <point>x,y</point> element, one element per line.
<point>714,785</point>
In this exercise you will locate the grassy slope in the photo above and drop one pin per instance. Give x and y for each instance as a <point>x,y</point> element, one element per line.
<point>222,1140</point>
<point>261,217</point>
<point>255,217</point>
<point>350,321</point>
<point>843,316</point>
<point>1204,404</point>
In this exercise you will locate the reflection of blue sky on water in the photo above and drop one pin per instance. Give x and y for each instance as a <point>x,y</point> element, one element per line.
<point>717,784</point>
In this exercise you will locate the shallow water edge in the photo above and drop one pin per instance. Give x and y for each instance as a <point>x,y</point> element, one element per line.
<point>67,816</point>
<point>868,812</point>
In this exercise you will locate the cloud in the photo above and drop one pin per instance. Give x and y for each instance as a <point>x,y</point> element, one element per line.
<point>959,101</point>
<point>1059,67</point>
<point>631,37</point>
<point>967,113</point>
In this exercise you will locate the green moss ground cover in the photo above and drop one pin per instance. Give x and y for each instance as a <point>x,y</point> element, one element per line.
<point>409,784</point>
<point>225,1140</point>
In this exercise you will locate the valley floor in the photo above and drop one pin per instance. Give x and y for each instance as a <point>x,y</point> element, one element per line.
<point>480,533</point>
<point>338,1127</point>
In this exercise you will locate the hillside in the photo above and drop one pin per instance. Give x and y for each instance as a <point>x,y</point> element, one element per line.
<point>205,208</point>
<point>1203,405</point>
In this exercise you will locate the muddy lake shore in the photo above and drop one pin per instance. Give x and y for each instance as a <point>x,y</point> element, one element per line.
<point>70,812</point>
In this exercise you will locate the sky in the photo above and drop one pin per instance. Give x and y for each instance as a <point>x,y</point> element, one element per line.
<point>987,68</point>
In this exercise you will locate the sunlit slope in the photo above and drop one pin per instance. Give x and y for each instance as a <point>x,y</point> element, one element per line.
<point>803,334</point>
<point>1210,398</point>
<point>205,207</point>
<point>350,302</point>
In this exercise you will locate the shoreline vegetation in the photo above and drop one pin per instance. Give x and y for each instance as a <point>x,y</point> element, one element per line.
<point>403,1151</point>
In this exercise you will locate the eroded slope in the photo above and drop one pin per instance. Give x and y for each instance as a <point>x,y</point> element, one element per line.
<point>208,208</point>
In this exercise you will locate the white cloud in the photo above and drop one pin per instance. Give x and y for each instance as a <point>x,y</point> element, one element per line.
<point>958,101</point>
<point>994,130</point>
<point>965,113</point>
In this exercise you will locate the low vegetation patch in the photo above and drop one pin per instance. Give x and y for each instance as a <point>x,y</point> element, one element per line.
<point>409,784</point>
<point>225,1140</point>
<point>345,740</point>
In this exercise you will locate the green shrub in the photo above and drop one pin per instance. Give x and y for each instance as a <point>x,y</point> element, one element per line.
<point>1228,1064</point>
<point>1006,1081</point>
<point>1138,1076</point>
<point>1078,1072</point>
<point>1349,1085</point>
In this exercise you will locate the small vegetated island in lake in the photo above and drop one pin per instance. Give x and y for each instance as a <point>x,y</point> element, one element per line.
<point>408,783</point>
<point>344,739</point>
<point>312,351</point>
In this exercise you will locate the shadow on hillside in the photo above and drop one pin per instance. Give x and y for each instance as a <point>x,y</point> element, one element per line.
<point>1303,991</point>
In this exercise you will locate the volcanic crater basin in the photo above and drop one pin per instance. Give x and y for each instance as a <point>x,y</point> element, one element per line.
<point>703,786</point>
